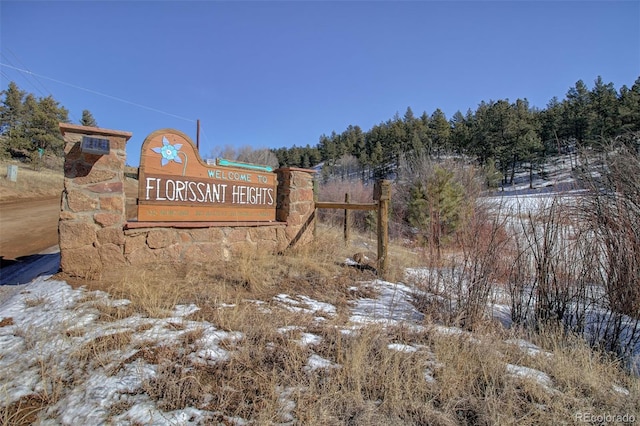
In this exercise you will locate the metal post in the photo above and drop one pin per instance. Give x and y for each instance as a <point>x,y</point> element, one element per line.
<point>198,135</point>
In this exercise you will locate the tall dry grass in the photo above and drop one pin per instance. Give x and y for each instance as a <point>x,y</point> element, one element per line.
<point>30,183</point>
<point>427,378</point>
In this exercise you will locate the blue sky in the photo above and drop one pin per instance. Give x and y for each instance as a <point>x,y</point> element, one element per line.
<point>271,74</point>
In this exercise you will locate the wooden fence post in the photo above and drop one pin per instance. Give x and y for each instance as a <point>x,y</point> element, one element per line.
<point>382,193</point>
<point>347,219</point>
<point>315,201</point>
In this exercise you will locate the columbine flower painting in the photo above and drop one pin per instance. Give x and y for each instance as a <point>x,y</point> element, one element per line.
<point>169,152</point>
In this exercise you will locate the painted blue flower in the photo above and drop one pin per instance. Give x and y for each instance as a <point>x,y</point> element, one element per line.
<point>169,152</point>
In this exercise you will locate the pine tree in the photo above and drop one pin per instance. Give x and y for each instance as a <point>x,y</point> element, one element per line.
<point>11,110</point>
<point>87,119</point>
<point>629,108</point>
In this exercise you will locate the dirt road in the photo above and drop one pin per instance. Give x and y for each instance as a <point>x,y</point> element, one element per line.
<point>28,227</point>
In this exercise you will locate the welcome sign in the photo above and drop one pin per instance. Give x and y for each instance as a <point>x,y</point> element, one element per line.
<point>175,185</point>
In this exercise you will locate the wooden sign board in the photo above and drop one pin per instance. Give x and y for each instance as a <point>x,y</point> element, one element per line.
<point>175,185</point>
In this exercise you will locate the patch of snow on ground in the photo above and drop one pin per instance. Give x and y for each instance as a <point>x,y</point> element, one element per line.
<point>402,347</point>
<point>38,353</point>
<point>392,306</point>
<point>531,374</point>
<point>305,305</point>
<point>316,362</point>
<point>528,347</point>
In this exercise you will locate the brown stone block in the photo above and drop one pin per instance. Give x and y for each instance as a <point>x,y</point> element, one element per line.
<point>75,169</point>
<point>76,234</point>
<point>141,257</point>
<point>203,252</point>
<point>295,220</point>
<point>171,254</point>
<point>185,237</point>
<point>160,238</point>
<point>110,236</point>
<point>301,180</point>
<point>67,215</point>
<point>113,204</point>
<point>201,234</point>
<point>302,208</point>
<point>108,219</point>
<point>262,234</point>
<point>243,247</point>
<point>134,243</point>
<point>107,187</point>
<point>78,201</point>
<point>81,262</point>
<point>72,139</point>
<point>95,176</point>
<point>111,255</point>
<point>109,162</point>
<point>117,143</point>
<point>302,195</point>
<point>237,235</point>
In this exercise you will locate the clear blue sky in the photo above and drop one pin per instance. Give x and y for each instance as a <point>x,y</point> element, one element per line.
<point>271,74</point>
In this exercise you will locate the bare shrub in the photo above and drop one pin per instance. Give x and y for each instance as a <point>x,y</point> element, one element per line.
<point>611,213</point>
<point>577,261</point>
<point>550,262</point>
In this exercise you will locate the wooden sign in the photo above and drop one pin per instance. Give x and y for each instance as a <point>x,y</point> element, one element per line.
<point>175,185</point>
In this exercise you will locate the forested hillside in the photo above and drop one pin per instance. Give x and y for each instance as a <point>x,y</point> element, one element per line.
<point>500,134</point>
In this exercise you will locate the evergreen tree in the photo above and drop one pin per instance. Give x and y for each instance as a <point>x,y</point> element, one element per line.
<point>31,124</point>
<point>629,108</point>
<point>604,108</point>
<point>577,120</point>
<point>436,206</point>
<point>12,109</point>
<point>87,119</point>
<point>461,131</point>
<point>440,131</point>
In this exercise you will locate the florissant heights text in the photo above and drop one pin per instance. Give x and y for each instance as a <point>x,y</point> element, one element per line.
<point>193,191</point>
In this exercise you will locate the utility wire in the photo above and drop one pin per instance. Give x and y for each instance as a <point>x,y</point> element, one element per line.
<point>46,89</point>
<point>99,93</point>
<point>35,78</point>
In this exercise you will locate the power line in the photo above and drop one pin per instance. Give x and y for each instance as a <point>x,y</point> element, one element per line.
<point>99,93</point>
<point>46,89</point>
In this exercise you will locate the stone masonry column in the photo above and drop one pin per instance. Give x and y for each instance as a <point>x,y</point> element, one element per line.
<point>295,204</point>
<point>92,208</point>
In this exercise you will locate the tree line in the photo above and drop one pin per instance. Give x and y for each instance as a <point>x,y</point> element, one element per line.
<point>501,135</point>
<point>29,125</point>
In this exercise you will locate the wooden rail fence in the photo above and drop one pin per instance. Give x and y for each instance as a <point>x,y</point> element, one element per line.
<point>382,196</point>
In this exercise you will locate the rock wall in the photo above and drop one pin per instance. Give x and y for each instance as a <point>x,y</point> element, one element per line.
<point>94,233</point>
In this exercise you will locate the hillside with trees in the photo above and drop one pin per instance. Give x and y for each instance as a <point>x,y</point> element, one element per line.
<point>500,135</point>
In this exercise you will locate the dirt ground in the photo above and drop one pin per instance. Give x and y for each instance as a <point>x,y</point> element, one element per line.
<point>28,227</point>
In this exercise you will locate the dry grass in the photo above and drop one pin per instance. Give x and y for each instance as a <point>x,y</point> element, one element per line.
<point>22,412</point>
<point>30,183</point>
<point>266,377</point>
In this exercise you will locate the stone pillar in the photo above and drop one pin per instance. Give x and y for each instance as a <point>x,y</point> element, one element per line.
<point>92,210</point>
<point>295,204</point>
